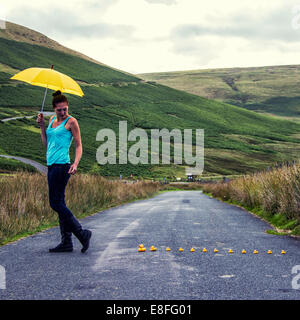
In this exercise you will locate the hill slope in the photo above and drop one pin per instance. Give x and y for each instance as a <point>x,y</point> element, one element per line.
<point>22,34</point>
<point>236,140</point>
<point>273,89</point>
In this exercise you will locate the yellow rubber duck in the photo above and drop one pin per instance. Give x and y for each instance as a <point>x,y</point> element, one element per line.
<point>230,251</point>
<point>283,252</point>
<point>142,249</point>
<point>255,252</point>
<point>180,249</point>
<point>168,249</point>
<point>204,250</point>
<point>192,250</point>
<point>243,251</point>
<point>153,248</point>
<point>216,250</point>
<point>269,251</point>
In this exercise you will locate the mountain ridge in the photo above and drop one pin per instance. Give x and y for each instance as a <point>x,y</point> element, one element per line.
<point>269,89</point>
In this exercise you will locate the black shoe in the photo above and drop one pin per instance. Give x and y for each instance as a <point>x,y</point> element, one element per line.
<point>62,248</point>
<point>86,243</point>
<point>66,244</point>
<point>66,236</point>
<point>84,237</point>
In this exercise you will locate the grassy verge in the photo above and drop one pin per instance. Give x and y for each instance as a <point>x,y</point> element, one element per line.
<point>272,196</point>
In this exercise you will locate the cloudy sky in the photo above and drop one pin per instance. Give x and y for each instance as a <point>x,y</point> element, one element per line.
<point>168,35</point>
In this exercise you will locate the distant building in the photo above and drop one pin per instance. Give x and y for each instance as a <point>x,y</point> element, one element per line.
<point>191,177</point>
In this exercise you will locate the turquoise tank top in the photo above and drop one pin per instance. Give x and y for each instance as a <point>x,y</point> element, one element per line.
<point>59,140</point>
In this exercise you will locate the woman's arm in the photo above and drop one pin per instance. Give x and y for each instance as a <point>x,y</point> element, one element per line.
<point>41,122</point>
<point>77,138</point>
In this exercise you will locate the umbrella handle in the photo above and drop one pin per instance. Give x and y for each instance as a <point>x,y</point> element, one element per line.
<point>45,93</point>
<point>44,100</point>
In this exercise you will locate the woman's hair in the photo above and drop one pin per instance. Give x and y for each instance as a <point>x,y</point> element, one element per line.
<point>58,97</point>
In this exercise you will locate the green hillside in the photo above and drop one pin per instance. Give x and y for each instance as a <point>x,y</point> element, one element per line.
<point>273,90</point>
<point>236,140</point>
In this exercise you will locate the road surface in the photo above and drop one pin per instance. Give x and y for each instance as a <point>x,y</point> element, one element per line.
<point>46,114</point>
<point>114,269</point>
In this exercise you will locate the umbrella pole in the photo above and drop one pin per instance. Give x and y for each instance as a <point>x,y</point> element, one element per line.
<point>44,100</point>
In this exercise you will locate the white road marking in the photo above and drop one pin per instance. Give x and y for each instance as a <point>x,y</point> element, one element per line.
<point>112,249</point>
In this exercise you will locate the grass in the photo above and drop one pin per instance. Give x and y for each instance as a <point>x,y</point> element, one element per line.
<point>15,138</point>
<point>272,195</point>
<point>272,89</point>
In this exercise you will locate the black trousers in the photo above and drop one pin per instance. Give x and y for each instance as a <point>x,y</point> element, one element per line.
<point>58,178</point>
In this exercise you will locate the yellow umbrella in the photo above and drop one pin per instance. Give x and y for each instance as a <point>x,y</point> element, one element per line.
<point>49,78</point>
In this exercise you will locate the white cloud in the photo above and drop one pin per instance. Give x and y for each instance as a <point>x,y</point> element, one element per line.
<point>2,12</point>
<point>167,2</point>
<point>68,24</point>
<point>167,35</point>
<point>273,25</point>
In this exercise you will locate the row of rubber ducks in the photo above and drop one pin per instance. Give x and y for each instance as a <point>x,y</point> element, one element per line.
<point>153,248</point>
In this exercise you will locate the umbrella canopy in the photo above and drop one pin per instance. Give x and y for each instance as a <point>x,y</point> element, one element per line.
<point>49,78</point>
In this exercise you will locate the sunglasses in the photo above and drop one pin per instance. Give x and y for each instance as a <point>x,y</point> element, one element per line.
<point>63,109</point>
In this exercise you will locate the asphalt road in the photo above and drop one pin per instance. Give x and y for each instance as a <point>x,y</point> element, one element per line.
<point>114,269</point>
<point>27,117</point>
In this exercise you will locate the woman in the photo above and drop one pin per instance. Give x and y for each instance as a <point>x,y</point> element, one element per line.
<point>57,139</point>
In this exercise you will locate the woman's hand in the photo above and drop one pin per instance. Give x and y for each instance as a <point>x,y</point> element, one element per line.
<point>40,120</point>
<point>73,168</point>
